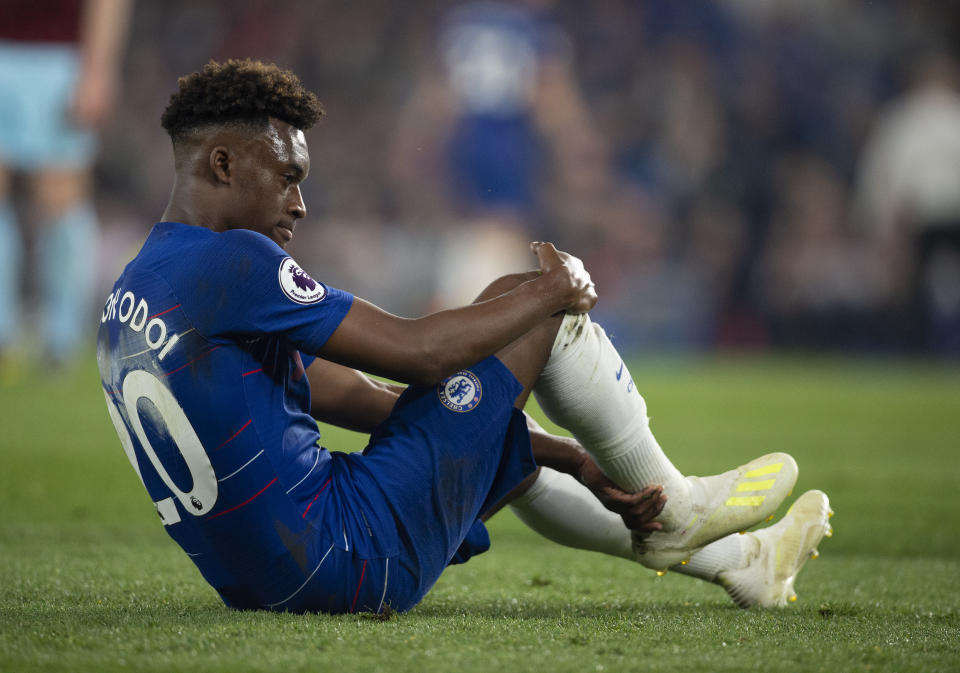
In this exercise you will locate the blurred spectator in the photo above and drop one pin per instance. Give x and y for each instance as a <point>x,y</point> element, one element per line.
<point>651,297</point>
<point>819,287</point>
<point>908,196</point>
<point>496,107</point>
<point>665,142</point>
<point>58,71</point>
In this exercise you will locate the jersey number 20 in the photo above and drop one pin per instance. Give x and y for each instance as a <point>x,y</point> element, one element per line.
<point>201,498</point>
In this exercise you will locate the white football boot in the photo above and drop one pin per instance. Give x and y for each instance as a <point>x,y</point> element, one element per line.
<point>767,579</point>
<point>720,505</point>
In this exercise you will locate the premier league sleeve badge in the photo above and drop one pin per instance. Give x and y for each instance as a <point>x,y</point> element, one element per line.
<point>298,285</point>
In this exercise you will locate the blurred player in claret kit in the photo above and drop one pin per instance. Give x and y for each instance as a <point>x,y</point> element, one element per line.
<point>59,73</point>
<point>217,352</point>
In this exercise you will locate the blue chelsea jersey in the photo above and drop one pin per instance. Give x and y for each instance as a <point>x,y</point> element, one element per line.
<point>201,350</point>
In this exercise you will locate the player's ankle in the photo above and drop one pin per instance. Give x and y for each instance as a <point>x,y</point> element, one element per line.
<point>678,511</point>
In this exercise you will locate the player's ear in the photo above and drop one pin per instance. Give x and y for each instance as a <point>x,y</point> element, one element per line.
<point>220,159</point>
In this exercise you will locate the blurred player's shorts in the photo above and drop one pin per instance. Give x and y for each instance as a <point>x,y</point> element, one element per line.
<point>476,251</point>
<point>37,83</point>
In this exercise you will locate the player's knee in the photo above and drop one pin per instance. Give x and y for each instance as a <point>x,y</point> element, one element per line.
<point>6,178</point>
<point>56,192</point>
<point>526,357</point>
<point>504,284</point>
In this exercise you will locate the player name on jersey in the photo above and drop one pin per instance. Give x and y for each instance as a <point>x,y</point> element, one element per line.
<point>136,315</point>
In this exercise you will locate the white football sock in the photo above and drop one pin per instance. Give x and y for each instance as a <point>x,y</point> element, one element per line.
<point>727,553</point>
<point>561,509</point>
<point>586,388</point>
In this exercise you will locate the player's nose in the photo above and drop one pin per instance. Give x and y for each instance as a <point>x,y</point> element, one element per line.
<point>297,208</point>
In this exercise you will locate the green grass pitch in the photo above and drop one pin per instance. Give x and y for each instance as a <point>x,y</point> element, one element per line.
<point>90,582</point>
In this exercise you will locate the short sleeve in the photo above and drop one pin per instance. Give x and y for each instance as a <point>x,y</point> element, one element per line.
<point>250,287</point>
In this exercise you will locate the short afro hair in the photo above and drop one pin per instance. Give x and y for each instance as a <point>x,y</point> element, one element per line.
<point>239,91</point>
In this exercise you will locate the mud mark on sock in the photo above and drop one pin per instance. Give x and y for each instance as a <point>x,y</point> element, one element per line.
<point>570,331</point>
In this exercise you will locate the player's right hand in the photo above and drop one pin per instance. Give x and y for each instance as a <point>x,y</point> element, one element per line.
<point>582,292</point>
<point>638,510</point>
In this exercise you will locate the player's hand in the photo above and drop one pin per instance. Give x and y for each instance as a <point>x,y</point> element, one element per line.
<point>93,98</point>
<point>638,510</point>
<point>583,294</point>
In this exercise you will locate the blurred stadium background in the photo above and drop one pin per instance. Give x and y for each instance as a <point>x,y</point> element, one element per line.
<point>736,174</point>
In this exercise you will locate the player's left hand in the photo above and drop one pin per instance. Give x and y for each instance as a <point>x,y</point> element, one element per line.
<point>638,510</point>
<point>583,295</point>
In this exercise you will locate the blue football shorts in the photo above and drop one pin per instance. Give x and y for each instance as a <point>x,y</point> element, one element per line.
<point>446,455</point>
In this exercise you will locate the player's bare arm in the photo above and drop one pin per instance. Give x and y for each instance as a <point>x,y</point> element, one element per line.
<point>348,398</point>
<point>425,350</point>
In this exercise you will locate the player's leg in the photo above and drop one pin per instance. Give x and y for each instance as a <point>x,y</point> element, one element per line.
<point>447,454</point>
<point>585,387</point>
<point>11,254</point>
<point>527,356</point>
<point>67,247</point>
<point>14,117</point>
<point>756,568</point>
<point>58,156</point>
<point>561,509</point>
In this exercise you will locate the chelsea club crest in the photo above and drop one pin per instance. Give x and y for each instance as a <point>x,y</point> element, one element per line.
<point>460,392</point>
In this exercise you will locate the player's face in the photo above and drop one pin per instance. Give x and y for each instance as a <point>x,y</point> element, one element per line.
<point>268,178</point>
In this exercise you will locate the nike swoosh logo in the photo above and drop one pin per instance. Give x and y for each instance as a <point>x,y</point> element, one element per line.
<point>620,371</point>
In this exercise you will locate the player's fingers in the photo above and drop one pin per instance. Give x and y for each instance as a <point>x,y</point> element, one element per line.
<point>652,491</point>
<point>633,500</point>
<point>654,508</point>
<point>622,500</point>
<point>546,254</point>
<point>588,299</point>
<point>640,508</point>
<point>649,511</point>
<point>640,524</point>
<point>647,495</point>
<point>648,514</point>
<point>647,526</point>
<point>654,502</point>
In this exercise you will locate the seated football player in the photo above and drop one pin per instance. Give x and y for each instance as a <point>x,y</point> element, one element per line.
<point>217,352</point>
